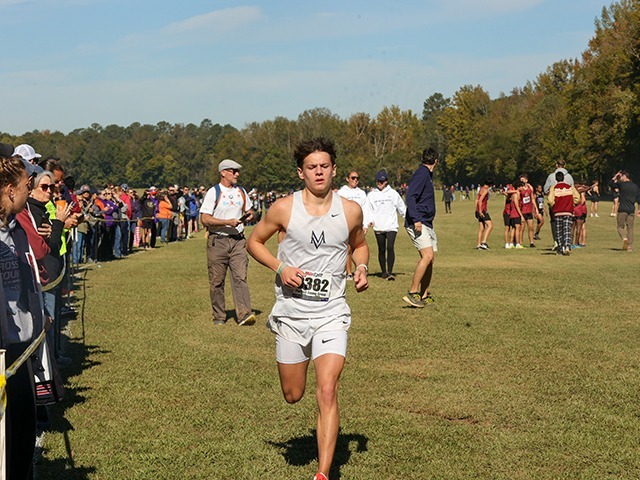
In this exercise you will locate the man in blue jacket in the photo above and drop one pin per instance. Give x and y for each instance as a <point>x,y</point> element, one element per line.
<point>421,210</point>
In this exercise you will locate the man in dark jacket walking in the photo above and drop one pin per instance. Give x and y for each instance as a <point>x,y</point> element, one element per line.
<point>629,196</point>
<point>421,210</point>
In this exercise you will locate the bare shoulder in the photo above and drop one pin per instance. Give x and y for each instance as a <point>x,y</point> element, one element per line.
<point>352,213</point>
<point>280,211</point>
<point>350,207</point>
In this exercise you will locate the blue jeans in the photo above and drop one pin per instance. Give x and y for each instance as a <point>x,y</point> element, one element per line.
<point>124,240</point>
<point>78,248</point>
<point>116,243</point>
<point>164,229</point>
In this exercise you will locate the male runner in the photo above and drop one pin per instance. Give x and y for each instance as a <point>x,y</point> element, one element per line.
<point>311,317</point>
<point>485,225</point>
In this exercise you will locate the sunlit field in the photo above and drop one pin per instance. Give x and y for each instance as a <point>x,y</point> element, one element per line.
<point>526,367</point>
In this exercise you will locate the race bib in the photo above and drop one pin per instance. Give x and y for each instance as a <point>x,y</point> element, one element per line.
<point>526,199</point>
<point>316,286</point>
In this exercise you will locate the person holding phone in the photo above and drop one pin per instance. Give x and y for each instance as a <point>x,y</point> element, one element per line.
<point>225,208</point>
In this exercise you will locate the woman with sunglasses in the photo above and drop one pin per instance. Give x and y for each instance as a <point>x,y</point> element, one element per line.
<point>352,191</point>
<point>21,315</point>
<point>49,225</point>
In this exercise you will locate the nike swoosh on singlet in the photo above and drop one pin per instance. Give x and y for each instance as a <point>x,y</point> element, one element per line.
<point>334,215</point>
<point>326,340</point>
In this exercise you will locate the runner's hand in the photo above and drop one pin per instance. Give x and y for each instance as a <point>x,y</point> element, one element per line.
<point>360,280</point>
<point>292,277</point>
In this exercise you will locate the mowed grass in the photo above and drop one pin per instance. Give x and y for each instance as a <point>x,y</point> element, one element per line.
<point>526,367</point>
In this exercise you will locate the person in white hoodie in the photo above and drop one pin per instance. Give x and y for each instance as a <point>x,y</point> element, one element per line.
<point>351,191</point>
<point>384,205</point>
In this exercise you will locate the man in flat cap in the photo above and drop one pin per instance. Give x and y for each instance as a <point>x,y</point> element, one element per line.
<point>225,209</point>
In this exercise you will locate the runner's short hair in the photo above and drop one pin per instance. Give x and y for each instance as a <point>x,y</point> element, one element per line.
<point>318,144</point>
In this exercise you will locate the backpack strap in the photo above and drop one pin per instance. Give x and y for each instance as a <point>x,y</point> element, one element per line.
<point>216,189</point>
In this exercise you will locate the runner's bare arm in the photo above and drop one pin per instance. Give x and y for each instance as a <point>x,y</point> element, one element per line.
<point>358,244</point>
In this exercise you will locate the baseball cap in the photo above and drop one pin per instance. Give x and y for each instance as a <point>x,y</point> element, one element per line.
<point>6,150</point>
<point>124,187</point>
<point>31,168</point>
<point>381,176</point>
<point>26,151</point>
<point>228,164</point>
<point>85,188</point>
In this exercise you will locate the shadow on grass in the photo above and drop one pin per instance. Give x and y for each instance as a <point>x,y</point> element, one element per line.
<point>300,451</point>
<point>81,358</point>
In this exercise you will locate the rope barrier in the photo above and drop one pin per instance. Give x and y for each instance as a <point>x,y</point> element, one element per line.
<point>11,371</point>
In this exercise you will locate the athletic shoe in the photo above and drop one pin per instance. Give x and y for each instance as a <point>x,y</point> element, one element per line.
<point>414,299</point>
<point>248,319</point>
<point>479,247</point>
<point>532,245</point>
<point>350,276</point>
<point>320,476</point>
<point>625,244</point>
<point>391,277</point>
<point>485,246</point>
<point>428,300</point>
<point>219,322</point>
<point>384,275</point>
<point>566,251</point>
<point>536,237</point>
<point>591,215</point>
<point>67,311</point>
<point>508,245</point>
<point>518,246</point>
<point>597,216</point>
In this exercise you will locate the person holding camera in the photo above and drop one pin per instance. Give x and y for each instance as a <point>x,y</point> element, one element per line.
<point>225,209</point>
<point>629,195</point>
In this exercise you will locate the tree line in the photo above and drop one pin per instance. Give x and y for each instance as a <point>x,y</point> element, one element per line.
<point>584,111</point>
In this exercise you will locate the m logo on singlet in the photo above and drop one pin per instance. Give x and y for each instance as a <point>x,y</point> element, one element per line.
<point>317,241</point>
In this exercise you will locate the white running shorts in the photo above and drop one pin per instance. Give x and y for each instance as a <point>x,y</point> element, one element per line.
<point>333,341</point>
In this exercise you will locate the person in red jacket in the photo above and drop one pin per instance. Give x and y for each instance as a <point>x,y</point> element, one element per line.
<point>562,198</point>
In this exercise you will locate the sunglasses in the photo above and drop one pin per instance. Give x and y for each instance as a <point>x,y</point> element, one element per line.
<point>354,178</point>
<point>47,186</point>
<point>233,170</point>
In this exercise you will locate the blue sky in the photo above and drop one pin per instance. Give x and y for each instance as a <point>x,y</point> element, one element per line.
<point>66,64</point>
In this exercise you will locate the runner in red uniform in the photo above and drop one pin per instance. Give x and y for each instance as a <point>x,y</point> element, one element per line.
<point>528,207</point>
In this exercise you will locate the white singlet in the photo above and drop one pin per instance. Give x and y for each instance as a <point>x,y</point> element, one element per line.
<point>318,246</point>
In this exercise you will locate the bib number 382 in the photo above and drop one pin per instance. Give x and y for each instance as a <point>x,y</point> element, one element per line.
<point>316,286</point>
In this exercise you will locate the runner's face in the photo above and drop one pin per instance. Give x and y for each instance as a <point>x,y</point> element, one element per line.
<point>317,172</point>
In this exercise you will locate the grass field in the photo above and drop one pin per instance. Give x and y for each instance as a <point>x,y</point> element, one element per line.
<point>526,367</point>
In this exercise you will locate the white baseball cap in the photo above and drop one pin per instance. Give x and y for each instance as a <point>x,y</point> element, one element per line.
<point>228,164</point>
<point>26,151</point>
